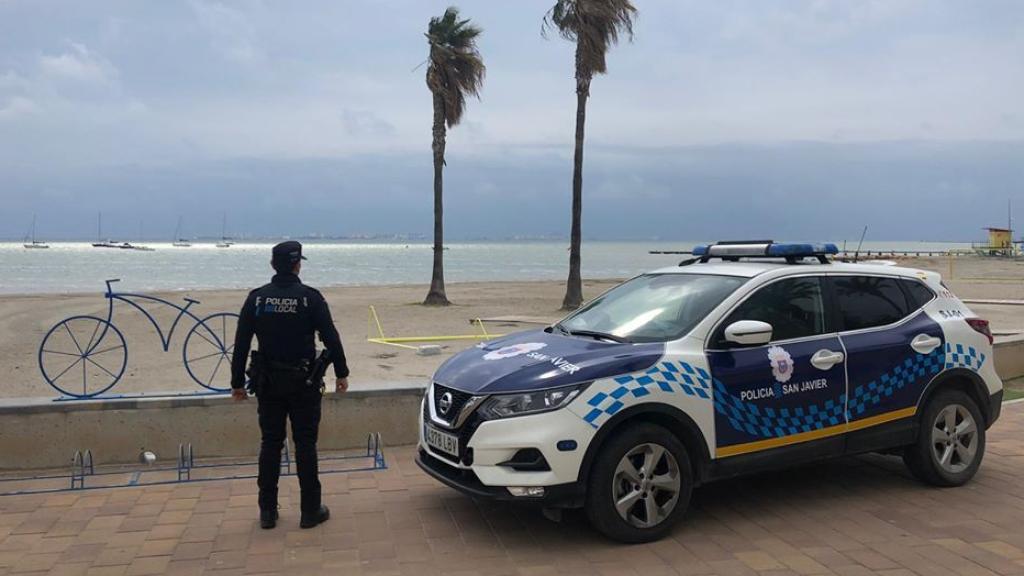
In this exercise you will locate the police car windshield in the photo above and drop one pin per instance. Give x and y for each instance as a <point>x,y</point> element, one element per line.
<point>653,307</point>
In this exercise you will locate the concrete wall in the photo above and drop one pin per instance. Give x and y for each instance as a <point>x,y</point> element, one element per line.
<point>46,434</point>
<point>1009,357</point>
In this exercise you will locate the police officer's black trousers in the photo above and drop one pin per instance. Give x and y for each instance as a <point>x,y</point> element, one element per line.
<point>289,398</point>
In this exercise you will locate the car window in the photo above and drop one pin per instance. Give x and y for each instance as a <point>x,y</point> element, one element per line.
<point>793,307</point>
<point>868,301</point>
<point>917,293</point>
<point>654,307</point>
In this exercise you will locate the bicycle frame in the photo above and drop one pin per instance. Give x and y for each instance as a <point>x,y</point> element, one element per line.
<point>127,297</point>
<point>202,328</point>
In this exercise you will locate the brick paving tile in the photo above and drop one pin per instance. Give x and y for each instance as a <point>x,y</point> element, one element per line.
<point>229,542</point>
<point>165,531</point>
<point>69,569</point>
<point>192,551</point>
<point>87,536</point>
<point>848,517</point>
<point>227,559</point>
<point>137,524</point>
<point>35,562</point>
<point>1003,549</point>
<point>157,548</point>
<point>853,570</point>
<point>116,556</point>
<point>199,534</point>
<point>148,566</point>
<point>186,568</point>
<point>107,570</point>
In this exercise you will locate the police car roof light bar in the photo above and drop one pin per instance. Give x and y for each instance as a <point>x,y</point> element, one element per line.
<point>792,253</point>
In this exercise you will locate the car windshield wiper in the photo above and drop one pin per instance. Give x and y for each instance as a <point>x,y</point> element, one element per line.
<point>557,327</point>
<point>600,335</point>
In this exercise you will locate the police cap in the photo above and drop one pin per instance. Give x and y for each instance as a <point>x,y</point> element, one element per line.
<point>287,254</point>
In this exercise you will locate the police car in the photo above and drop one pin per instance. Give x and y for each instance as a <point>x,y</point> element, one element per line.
<point>747,357</point>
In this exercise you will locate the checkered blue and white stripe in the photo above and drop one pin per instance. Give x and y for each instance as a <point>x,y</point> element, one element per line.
<point>917,368</point>
<point>682,377</point>
<point>960,356</point>
<point>668,377</point>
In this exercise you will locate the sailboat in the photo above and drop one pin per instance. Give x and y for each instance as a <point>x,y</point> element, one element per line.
<point>33,244</point>
<point>100,242</point>
<point>225,242</point>
<point>178,240</point>
<point>138,247</point>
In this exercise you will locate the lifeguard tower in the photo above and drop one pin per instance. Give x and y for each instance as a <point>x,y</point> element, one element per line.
<point>1000,243</point>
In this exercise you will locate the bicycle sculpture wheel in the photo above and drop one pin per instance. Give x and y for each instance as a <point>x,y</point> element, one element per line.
<point>83,356</point>
<point>207,351</point>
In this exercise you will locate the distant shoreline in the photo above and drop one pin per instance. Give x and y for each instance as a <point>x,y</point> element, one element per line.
<point>78,268</point>
<point>324,287</point>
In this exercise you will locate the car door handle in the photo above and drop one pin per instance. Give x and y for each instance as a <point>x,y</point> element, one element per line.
<point>826,359</point>
<point>924,344</point>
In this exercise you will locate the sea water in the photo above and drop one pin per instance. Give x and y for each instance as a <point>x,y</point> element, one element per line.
<point>79,267</point>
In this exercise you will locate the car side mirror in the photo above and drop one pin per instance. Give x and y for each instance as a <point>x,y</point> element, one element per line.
<point>749,332</point>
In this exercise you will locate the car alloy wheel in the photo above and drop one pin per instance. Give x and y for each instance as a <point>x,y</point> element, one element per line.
<point>646,485</point>
<point>954,438</point>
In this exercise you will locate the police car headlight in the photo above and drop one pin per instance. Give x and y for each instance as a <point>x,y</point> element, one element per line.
<point>521,404</point>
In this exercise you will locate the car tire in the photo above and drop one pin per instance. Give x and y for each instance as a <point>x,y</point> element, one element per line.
<point>951,440</point>
<point>663,495</point>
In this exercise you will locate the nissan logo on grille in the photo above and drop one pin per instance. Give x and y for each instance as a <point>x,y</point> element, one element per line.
<point>445,404</point>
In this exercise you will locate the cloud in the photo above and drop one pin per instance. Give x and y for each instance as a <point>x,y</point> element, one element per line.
<point>365,123</point>
<point>16,107</point>
<point>163,87</point>
<point>79,64</point>
<point>230,29</point>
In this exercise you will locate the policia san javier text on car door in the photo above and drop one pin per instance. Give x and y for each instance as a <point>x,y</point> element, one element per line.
<point>286,377</point>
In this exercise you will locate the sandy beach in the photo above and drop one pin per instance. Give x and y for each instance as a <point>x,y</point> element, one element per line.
<point>25,319</point>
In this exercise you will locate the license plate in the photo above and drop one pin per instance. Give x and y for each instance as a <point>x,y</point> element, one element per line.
<point>447,443</point>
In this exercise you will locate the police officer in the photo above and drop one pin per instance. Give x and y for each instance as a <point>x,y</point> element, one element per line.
<point>284,316</point>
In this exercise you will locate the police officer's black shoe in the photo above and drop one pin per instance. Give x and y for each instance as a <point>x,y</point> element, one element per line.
<point>318,517</point>
<point>268,519</point>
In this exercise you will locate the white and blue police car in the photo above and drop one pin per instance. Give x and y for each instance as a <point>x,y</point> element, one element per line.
<point>747,357</point>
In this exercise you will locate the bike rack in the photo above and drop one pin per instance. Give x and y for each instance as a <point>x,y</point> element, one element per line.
<point>375,450</point>
<point>188,470</point>
<point>186,461</point>
<point>81,466</point>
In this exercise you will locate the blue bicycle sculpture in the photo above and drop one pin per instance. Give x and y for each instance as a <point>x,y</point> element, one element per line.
<point>84,356</point>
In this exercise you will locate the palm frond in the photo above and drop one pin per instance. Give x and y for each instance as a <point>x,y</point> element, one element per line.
<point>456,68</point>
<point>594,25</point>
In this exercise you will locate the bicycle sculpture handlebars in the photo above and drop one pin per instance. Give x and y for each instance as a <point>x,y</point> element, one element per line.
<point>92,351</point>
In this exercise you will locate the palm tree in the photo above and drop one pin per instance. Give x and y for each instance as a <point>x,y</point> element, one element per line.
<point>594,25</point>
<point>455,70</point>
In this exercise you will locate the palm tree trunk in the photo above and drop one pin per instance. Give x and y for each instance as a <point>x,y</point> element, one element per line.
<point>437,296</point>
<point>574,286</point>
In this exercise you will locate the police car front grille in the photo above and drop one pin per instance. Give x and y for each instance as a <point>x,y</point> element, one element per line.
<point>459,400</point>
<point>465,434</point>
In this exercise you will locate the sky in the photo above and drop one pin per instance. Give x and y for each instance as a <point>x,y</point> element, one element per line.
<point>731,118</point>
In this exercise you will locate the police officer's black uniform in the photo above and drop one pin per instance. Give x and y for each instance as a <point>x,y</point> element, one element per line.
<point>284,315</point>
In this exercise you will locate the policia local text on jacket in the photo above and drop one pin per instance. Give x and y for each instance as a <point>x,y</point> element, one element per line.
<point>284,315</point>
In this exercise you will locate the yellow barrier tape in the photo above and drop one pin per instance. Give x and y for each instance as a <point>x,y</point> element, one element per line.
<point>373,322</point>
<point>395,344</point>
<point>480,323</point>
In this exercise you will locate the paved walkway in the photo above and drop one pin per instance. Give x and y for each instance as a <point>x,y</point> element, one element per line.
<point>851,517</point>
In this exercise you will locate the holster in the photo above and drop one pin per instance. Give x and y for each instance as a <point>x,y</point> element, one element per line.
<point>258,373</point>
<point>318,369</point>
<point>265,374</point>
